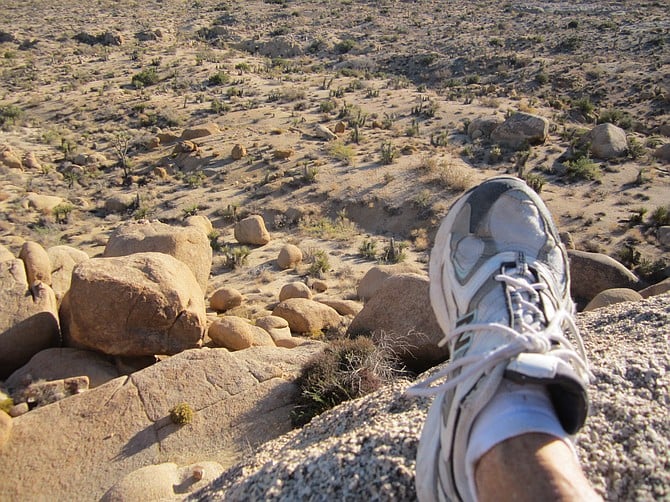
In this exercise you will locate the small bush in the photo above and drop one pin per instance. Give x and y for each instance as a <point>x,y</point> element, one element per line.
<point>388,153</point>
<point>346,369</point>
<point>583,168</point>
<point>661,216</point>
<point>10,114</point>
<point>320,264</point>
<point>62,212</point>
<point>342,152</point>
<point>345,46</point>
<point>394,252</point>
<point>535,181</point>
<point>182,414</point>
<point>219,78</point>
<point>145,78</point>
<point>327,106</point>
<point>368,249</point>
<point>234,256</point>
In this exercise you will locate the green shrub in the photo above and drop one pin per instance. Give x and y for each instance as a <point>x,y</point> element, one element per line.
<point>368,249</point>
<point>346,369</point>
<point>320,263</point>
<point>62,212</point>
<point>219,78</point>
<point>388,153</point>
<point>182,414</point>
<point>342,152</point>
<point>661,216</point>
<point>394,252</point>
<point>616,117</point>
<point>234,256</point>
<point>583,168</point>
<point>10,114</point>
<point>535,181</point>
<point>345,46</point>
<point>145,78</point>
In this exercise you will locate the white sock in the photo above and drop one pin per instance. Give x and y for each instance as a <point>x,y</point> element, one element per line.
<point>514,410</point>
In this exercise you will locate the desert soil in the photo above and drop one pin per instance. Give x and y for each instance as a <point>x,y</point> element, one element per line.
<point>410,74</point>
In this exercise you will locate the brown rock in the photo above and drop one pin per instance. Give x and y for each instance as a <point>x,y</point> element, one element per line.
<point>656,289</point>
<point>42,393</point>
<point>167,138</point>
<point>608,141</point>
<point>283,153</point>
<point>153,143</point>
<point>61,363</point>
<point>612,296</point>
<point>6,254</point>
<point>225,299</point>
<point>185,147</point>
<point>42,203</point>
<point>277,327</point>
<point>10,159</point>
<point>200,131</point>
<point>6,424</point>
<point>340,127</point>
<point>319,286</point>
<point>37,263</point>
<point>482,126</point>
<point>373,278</point>
<point>521,128</point>
<point>251,230</point>
<point>187,244</point>
<point>29,320</point>
<point>237,333</point>
<point>63,260</point>
<point>238,152</point>
<point>401,313</point>
<point>294,290</point>
<point>290,256</point>
<point>343,307</point>
<point>200,222</point>
<point>31,162</point>
<point>120,203</point>
<point>592,273</point>
<point>307,316</point>
<point>138,305</point>
<point>241,399</point>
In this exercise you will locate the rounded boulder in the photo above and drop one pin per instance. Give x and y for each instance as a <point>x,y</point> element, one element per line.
<point>138,305</point>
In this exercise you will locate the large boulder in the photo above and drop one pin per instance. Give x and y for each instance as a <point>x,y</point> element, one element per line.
<point>592,273</point>
<point>290,256</point>
<point>612,296</point>
<point>29,320</point>
<point>375,276</point>
<point>200,131</point>
<point>63,260</point>
<point>277,327</point>
<point>138,305</point>
<point>409,328</point>
<point>187,244</point>
<point>521,129</point>
<point>656,289</point>
<point>42,203</point>
<point>5,428</point>
<point>80,448</point>
<point>608,141</point>
<point>37,263</point>
<point>307,316</point>
<point>6,254</point>
<point>59,363</point>
<point>482,127</point>
<point>225,299</point>
<point>294,289</point>
<point>251,230</point>
<point>237,333</point>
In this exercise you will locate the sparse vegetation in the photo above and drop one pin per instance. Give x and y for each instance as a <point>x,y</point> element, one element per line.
<point>583,168</point>
<point>145,78</point>
<point>346,369</point>
<point>182,414</point>
<point>342,152</point>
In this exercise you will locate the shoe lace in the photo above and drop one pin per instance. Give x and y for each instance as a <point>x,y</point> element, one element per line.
<point>532,334</point>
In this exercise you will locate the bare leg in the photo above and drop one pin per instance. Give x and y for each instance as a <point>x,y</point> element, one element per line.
<point>531,467</point>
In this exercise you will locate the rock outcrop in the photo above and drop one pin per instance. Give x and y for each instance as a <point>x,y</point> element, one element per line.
<point>187,244</point>
<point>409,329</point>
<point>138,305</point>
<point>29,320</point>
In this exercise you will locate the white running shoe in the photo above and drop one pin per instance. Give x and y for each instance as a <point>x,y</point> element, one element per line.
<point>500,289</point>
